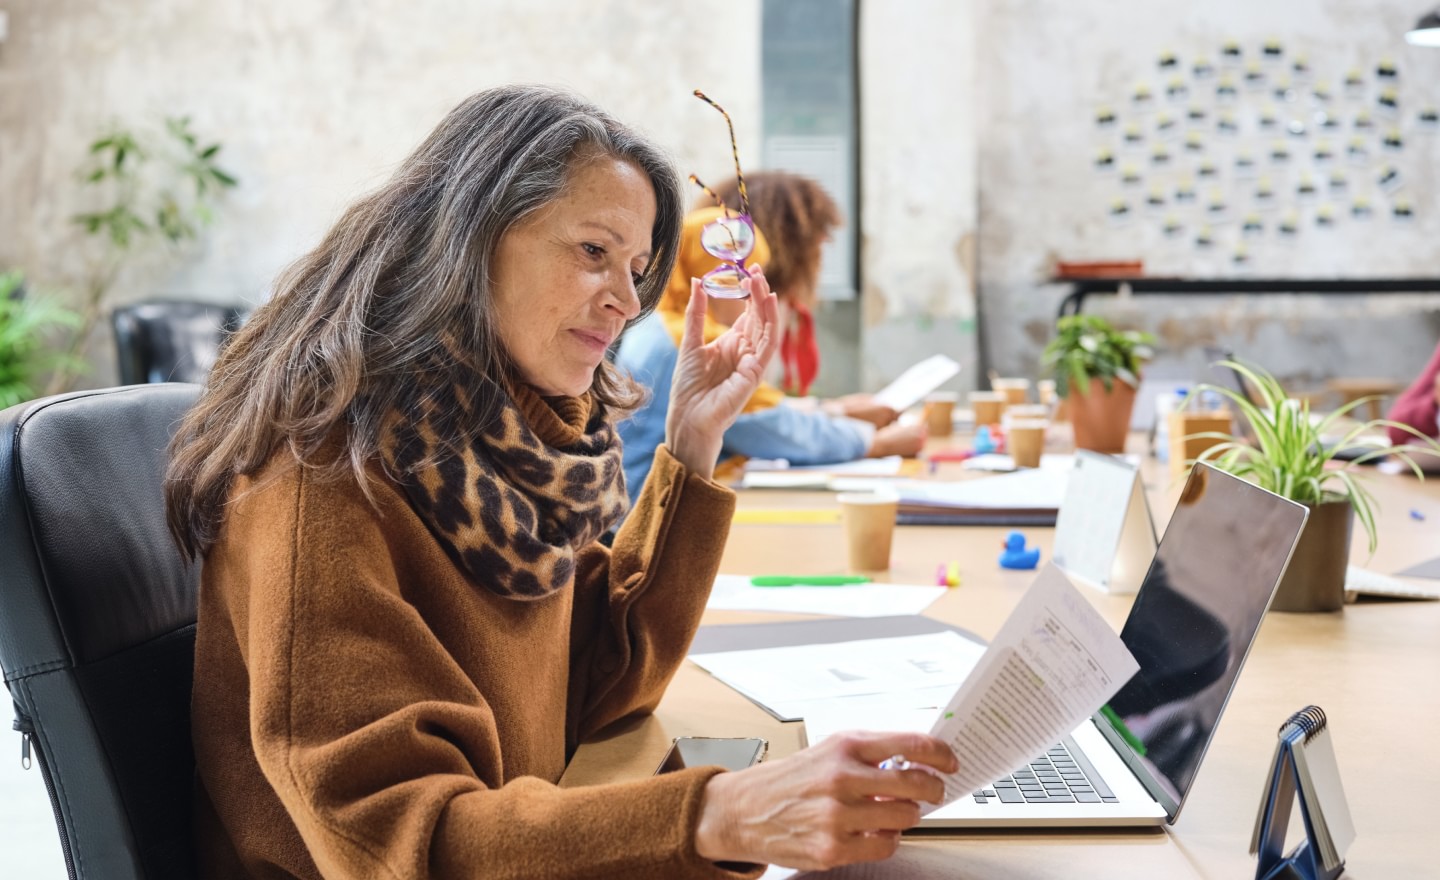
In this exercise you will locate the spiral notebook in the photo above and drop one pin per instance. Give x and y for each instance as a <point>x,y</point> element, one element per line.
<point>1304,764</point>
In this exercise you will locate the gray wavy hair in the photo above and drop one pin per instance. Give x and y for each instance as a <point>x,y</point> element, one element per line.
<point>401,279</point>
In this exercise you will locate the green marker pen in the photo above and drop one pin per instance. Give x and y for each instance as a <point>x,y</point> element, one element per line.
<point>814,580</point>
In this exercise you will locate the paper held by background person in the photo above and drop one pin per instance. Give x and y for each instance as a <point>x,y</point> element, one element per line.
<point>913,384</point>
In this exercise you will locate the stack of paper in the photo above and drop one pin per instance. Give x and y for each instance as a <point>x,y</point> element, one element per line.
<point>779,474</point>
<point>1028,497</point>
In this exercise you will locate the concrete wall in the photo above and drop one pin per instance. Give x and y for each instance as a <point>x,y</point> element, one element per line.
<point>1047,65</point>
<point>315,100</point>
<point>918,187</point>
<point>977,135</point>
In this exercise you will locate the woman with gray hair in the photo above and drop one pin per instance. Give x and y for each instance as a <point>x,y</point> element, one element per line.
<point>396,478</point>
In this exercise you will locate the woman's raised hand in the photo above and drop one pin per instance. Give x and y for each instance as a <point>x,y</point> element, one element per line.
<point>824,806</point>
<point>713,382</point>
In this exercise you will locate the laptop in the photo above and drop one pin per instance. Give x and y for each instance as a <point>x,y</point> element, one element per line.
<point>1194,619</point>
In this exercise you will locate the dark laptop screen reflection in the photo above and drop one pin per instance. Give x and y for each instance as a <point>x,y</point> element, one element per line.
<point>1194,619</point>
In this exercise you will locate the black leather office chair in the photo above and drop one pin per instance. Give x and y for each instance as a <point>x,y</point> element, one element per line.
<point>171,341</point>
<point>97,624</point>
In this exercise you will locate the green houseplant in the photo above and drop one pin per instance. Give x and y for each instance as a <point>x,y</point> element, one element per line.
<point>149,187</point>
<point>25,322</point>
<point>1287,457</point>
<point>1101,364</point>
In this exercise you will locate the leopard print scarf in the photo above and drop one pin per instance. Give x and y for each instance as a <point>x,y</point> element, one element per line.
<point>511,493</point>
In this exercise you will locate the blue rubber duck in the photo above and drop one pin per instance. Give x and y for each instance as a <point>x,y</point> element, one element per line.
<point>984,443</point>
<point>1016,556</point>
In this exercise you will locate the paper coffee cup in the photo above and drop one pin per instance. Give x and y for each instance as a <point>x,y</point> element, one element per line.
<point>989,406</point>
<point>1030,411</point>
<point>869,519</point>
<point>1014,389</point>
<point>940,413</point>
<point>1046,389</point>
<point>1026,440</point>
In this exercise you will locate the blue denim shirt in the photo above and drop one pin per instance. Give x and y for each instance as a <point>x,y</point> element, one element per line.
<point>800,437</point>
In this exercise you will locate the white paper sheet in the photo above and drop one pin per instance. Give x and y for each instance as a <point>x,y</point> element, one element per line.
<point>779,474</point>
<point>784,479</point>
<point>735,593</point>
<point>1053,664</point>
<point>792,678</point>
<point>998,463</point>
<point>888,466</point>
<point>912,711</point>
<point>1037,488</point>
<point>864,472</point>
<point>918,381</point>
<point>1325,795</point>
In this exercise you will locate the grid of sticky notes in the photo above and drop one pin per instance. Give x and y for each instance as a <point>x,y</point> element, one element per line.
<point>1258,143</point>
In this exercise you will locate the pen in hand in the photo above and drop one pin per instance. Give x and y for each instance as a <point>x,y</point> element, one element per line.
<point>816,580</point>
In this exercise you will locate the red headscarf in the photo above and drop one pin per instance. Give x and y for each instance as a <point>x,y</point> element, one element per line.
<point>799,352</point>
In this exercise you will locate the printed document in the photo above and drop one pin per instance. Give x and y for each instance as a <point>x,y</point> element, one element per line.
<point>1054,663</point>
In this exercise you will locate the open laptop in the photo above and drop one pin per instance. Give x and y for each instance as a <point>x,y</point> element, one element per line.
<point>1193,622</point>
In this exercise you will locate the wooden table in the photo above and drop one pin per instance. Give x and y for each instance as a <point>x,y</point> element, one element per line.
<point>1374,668</point>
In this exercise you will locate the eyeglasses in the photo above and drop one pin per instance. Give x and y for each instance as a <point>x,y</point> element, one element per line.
<point>730,238</point>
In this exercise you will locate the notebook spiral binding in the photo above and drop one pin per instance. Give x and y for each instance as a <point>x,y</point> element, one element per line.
<point>1310,720</point>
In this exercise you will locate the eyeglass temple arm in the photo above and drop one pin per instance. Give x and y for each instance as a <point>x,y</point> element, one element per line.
<point>734,151</point>
<point>712,194</point>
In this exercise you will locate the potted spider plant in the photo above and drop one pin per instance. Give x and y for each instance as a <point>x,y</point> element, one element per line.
<point>1287,457</point>
<point>1097,370</point>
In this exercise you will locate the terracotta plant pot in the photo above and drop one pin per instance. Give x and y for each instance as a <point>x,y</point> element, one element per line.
<point>1101,418</point>
<point>1315,580</point>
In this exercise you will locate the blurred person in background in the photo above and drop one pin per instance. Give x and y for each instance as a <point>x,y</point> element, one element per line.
<point>794,217</point>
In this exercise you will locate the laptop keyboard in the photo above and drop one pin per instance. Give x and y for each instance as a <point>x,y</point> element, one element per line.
<point>1062,775</point>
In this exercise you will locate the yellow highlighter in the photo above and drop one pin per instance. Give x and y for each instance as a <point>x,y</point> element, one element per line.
<point>784,517</point>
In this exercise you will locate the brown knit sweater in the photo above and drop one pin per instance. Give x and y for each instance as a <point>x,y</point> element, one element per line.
<point>361,710</point>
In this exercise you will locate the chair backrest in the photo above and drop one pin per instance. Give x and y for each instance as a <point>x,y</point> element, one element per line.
<point>171,341</point>
<point>97,624</point>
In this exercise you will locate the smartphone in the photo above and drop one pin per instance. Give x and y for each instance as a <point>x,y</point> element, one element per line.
<point>735,753</point>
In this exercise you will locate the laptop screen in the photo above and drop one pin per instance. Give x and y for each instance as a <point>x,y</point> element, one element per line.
<point>1193,622</point>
